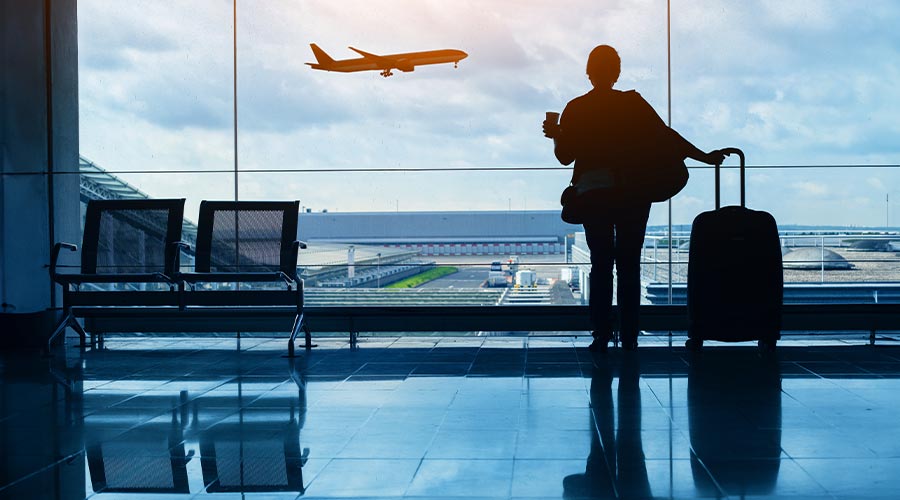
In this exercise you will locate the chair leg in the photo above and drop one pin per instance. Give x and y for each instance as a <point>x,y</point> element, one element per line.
<point>308,334</point>
<point>294,331</point>
<point>60,328</point>
<point>81,333</point>
<point>67,321</point>
<point>300,324</point>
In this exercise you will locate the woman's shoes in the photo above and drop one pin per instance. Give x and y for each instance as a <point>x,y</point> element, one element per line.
<point>629,342</point>
<point>600,343</point>
<point>599,346</point>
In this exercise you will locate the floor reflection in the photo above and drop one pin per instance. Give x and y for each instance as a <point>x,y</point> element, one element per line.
<point>734,414</point>
<point>150,459</point>
<point>616,466</point>
<point>245,442</point>
<point>504,418</point>
<point>734,404</point>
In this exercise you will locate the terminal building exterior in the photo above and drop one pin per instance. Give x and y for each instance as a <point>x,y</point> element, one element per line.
<point>536,232</point>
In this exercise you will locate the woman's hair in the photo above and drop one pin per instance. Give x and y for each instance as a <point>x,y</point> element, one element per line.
<point>604,65</point>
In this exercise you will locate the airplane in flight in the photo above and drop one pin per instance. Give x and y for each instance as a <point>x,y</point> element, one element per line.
<point>387,63</point>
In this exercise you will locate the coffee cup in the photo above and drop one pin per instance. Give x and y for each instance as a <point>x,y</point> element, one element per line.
<point>553,117</point>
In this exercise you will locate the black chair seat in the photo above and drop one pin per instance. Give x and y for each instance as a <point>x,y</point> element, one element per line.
<point>217,277</point>
<point>77,279</point>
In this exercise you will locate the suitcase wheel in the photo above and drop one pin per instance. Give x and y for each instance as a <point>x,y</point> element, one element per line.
<point>693,344</point>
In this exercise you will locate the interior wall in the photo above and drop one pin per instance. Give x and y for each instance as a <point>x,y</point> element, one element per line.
<point>39,193</point>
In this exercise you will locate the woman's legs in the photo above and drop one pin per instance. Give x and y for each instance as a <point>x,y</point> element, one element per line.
<point>600,240</point>
<point>631,224</point>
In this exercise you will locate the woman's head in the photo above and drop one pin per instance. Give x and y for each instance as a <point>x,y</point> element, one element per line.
<point>603,66</point>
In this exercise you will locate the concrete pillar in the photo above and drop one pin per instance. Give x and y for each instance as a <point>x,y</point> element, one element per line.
<point>39,182</point>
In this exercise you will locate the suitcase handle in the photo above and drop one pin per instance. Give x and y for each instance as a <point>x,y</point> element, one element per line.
<point>729,152</point>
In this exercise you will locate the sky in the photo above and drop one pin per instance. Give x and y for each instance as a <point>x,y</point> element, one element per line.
<point>794,84</point>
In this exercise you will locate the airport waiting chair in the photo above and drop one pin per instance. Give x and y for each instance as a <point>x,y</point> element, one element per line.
<point>127,246</point>
<point>247,242</point>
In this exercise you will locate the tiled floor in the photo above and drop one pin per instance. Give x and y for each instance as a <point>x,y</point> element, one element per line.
<point>450,418</point>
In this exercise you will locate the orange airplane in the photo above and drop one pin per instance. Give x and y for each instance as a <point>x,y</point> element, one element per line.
<point>369,62</point>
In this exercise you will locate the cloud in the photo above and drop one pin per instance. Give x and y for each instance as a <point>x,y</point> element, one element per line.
<point>108,29</point>
<point>810,188</point>
<point>805,83</point>
<point>876,184</point>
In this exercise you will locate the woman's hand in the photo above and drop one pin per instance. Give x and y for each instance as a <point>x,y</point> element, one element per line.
<point>715,157</point>
<point>551,130</point>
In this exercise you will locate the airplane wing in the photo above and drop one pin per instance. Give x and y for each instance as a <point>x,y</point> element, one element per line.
<point>376,58</point>
<point>386,62</point>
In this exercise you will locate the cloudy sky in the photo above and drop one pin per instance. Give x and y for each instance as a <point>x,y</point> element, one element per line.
<point>793,83</point>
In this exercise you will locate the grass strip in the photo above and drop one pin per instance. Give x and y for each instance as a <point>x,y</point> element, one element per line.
<point>424,277</point>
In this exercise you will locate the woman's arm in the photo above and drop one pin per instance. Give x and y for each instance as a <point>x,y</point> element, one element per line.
<point>714,157</point>
<point>562,145</point>
<point>562,150</point>
<point>672,137</point>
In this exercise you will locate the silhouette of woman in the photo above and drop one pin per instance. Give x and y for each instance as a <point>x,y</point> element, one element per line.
<point>611,135</point>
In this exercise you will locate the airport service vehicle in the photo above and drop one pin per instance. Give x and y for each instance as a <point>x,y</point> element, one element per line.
<point>496,266</point>
<point>387,63</point>
<point>526,278</point>
<point>512,265</point>
<point>496,278</point>
<point>735,276</point>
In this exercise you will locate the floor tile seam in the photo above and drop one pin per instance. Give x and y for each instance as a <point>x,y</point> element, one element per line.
<point>199,394</point>
<point>832,385</point>
<point>141,422</point>
<point>423,460</point>
<point>818,414</point>
<point>459,497</point>
<point>719,488</point>
<point>355,433</point>
<point>657,396</point>
<point>825,419</point>
<point>331,460</point>
<point>414,474</point>
<point>874,456</point>
<point>813,478</point>
<point>220,421</point>
<point>134,376</point>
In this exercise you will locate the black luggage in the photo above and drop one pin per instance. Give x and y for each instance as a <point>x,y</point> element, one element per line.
<point>735,279</point>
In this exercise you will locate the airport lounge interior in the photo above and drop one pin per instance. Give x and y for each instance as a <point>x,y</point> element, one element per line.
<point>314,249</point>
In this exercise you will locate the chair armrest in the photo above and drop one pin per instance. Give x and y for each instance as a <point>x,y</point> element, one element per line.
<point>286,278</point>
<point>54,256</point>
<point>292,277</point>
<point>176,255</point>
<point>164,277</point>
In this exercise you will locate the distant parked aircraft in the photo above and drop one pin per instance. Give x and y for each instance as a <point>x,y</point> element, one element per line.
<point>369,62</point>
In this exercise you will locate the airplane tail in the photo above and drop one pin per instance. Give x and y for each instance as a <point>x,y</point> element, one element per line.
<point>321,57</point>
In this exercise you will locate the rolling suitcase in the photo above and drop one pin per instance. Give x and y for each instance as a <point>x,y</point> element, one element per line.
<point>735,278</point>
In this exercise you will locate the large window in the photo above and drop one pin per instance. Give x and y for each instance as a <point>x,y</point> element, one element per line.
<point>804,88</point>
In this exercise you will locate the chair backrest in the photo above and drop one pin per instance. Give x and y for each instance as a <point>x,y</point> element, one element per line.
<point>253,459</point>
<point>247,236</point>
<point>131,236</point>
